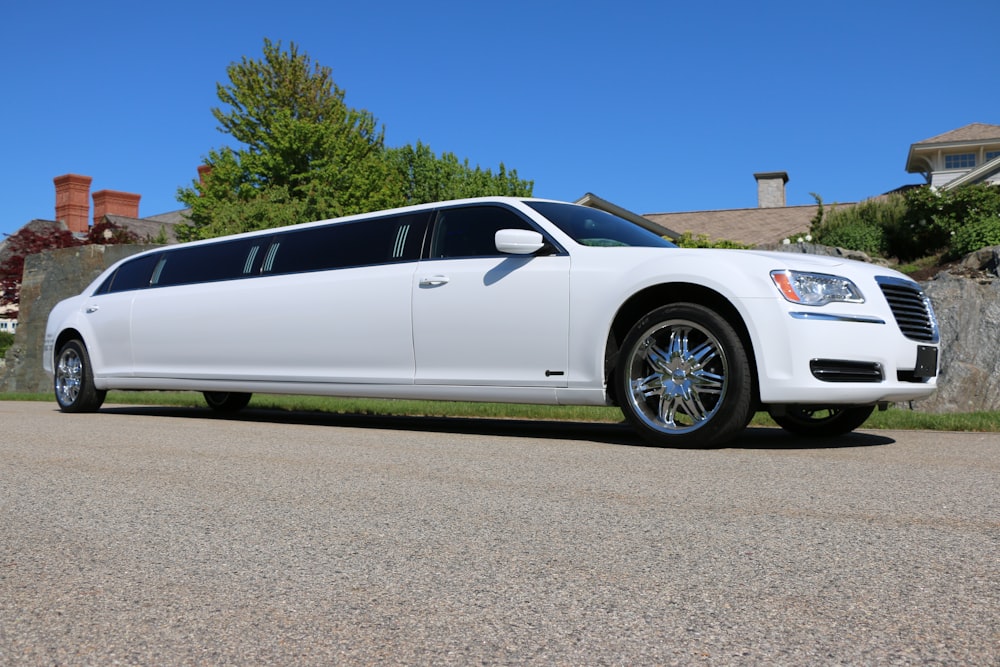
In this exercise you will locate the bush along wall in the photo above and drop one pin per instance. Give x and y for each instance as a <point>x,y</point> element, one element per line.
<point>922,222</point>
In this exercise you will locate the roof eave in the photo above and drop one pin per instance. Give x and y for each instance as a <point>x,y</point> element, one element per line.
<point>593,201</point>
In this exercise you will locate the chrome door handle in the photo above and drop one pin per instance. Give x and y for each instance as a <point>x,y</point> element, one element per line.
<point>434,281</point>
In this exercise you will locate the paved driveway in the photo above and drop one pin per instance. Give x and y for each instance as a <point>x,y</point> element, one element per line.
<point>169,537</point>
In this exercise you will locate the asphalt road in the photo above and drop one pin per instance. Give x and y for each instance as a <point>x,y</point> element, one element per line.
<point>155,536</point>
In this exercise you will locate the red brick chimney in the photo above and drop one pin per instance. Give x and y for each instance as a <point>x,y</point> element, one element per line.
<point>112,202</point>
<point>73,201</point>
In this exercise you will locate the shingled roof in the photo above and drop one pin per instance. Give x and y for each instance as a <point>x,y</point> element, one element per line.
<point>751,226</point>
<point>974,132</point>
<point>146,229</point>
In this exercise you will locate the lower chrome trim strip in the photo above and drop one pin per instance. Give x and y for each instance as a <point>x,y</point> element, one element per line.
<point>830,317</point>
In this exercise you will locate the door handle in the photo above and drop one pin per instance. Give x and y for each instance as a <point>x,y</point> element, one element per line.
<point>434,281</point>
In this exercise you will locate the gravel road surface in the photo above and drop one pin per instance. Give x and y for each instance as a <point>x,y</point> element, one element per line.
<point>163,536</point>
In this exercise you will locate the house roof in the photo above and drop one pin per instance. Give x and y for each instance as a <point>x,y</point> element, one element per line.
<point>974,132</point>
<point>179,217</point>
<point>917,161</point>
<point>146,228</point>
<point>751,226</point>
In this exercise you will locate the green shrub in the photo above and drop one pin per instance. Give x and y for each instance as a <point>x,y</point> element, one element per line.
<point>866,226</point>
<point>689,240</point>
<point>856,236</point>
<point>955,221</point>
<point>925,230</point>
<point>6,340</point>
<point>979,233</point>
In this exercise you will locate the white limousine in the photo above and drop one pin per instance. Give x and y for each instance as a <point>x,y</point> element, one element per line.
<point>509,300</point>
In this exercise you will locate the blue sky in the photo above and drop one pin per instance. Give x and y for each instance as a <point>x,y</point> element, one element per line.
<point>656,106</point>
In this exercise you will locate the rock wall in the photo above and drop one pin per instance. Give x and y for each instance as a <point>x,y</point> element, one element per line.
<point>50,277</point>
<point>966,301</point>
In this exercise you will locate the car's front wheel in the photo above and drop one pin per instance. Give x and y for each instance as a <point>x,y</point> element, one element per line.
<point>683,377</point>
<point>74,379</point>
<point>820,421</point>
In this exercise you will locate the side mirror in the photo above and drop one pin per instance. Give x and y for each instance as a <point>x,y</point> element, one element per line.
<point>519,241</point>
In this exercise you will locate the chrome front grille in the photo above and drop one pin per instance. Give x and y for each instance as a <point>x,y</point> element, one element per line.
<point>911,308</point>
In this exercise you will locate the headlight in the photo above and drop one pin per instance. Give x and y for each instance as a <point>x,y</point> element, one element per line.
<point>815,289</point>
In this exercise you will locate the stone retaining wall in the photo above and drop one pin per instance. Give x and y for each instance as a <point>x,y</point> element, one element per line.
<point>50,277</point>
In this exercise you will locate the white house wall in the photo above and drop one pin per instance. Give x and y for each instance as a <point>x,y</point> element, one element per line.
<point>942,178</point>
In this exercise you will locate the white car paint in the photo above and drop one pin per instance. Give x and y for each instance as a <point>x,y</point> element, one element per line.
<point>511,327</point>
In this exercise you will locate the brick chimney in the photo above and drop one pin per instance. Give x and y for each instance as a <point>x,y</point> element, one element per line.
<point>112,202</point>
<point>203,171</point>
<point>771,189</point>
<point>73,201</point>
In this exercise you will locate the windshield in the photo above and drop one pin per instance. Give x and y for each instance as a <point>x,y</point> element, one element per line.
<point>593,227</point>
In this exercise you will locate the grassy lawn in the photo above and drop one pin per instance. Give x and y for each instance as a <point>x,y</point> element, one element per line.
<point>893,418</point>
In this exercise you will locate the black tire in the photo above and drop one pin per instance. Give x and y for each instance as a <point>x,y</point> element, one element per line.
<point>683,378</point>
<point>820,421</point>
<point>225,402</point>
<point>73,380</point>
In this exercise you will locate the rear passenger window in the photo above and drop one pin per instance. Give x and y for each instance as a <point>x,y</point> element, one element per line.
<point>470,231</point>
<point>362,243</point>
<point>386,240</point>
<point>225,260</point>
<point>133,274</point>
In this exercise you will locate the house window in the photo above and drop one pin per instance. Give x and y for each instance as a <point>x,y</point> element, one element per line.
<point>992,155</point>
<point>960,161</point>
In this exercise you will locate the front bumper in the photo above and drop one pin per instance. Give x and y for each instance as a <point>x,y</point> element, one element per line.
<point>846,355</point>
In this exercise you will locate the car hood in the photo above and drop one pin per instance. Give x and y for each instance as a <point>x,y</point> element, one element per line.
<point>799,259</point>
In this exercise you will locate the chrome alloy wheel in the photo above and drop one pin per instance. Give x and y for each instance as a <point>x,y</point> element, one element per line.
<point>69,376</point>
<point>677,376</point>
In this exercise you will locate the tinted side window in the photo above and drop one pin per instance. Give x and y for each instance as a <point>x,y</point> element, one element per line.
<point>133,274</point>
<point>593,227</point>
<point>471,231</point>
<point>224,260</point>
<point>362,243</point>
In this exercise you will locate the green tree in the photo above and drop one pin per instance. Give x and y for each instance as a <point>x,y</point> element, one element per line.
<point>816,223</point>
<point>305,155</point>
<point>424,177</point>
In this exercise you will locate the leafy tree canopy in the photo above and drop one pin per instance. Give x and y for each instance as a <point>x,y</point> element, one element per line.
<point>425,177</point>
<point>305,155</point>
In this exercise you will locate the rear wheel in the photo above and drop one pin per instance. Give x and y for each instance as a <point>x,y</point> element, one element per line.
<point>226,402</point>
<point>74,379</point>
<point>683,378</point>
<point>820,421</point>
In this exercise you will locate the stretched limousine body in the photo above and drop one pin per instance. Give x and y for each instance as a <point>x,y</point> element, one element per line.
<point>503,299</point>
